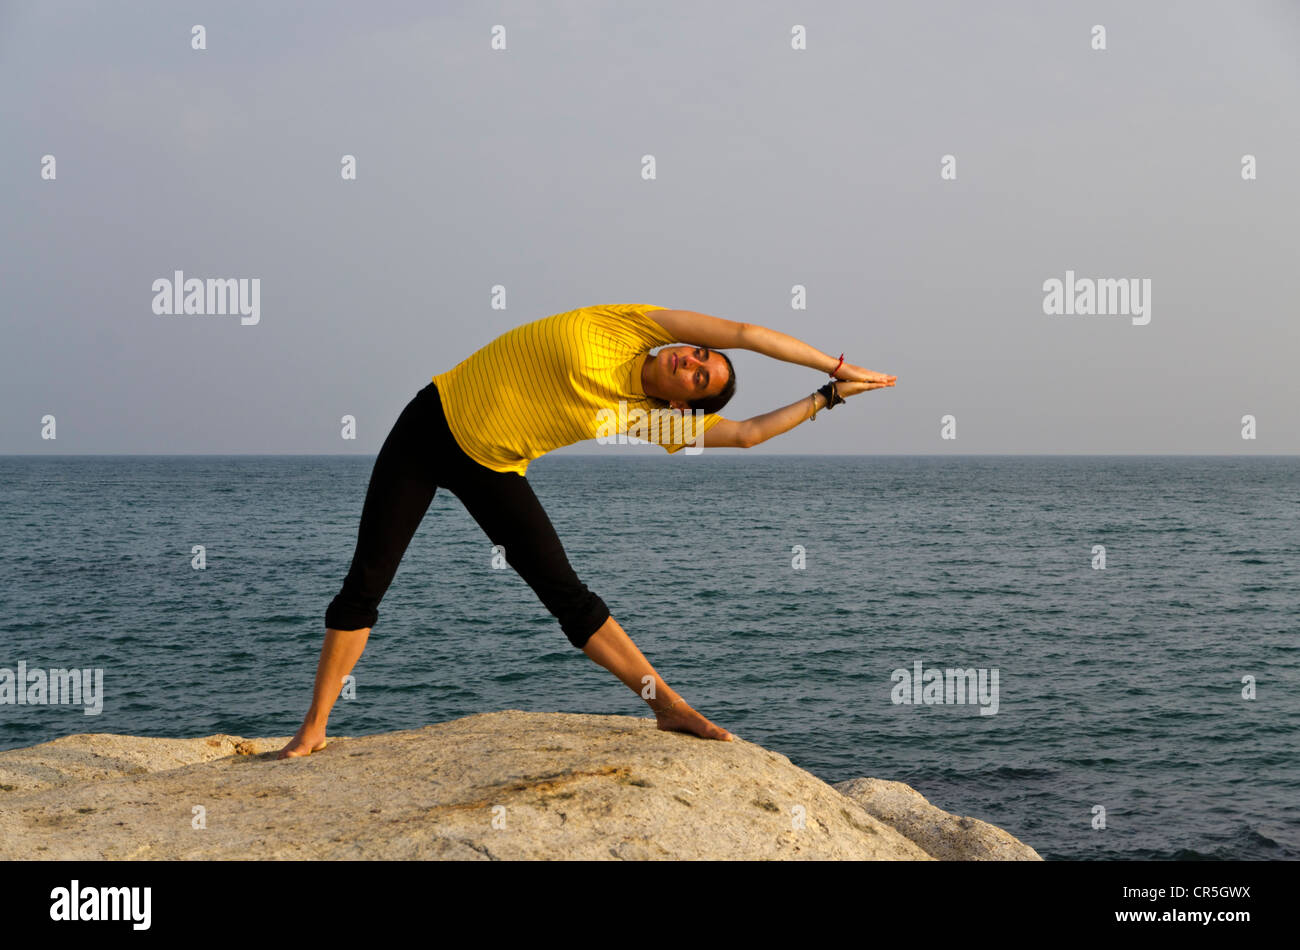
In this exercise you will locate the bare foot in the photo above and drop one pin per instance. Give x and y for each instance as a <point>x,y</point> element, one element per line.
<point>682,718</point>
<point>309,739</point>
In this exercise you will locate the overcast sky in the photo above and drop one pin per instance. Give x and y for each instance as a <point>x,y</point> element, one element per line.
<point>775,167</point>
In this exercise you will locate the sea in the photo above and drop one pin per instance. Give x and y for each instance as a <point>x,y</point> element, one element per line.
<point>1125,630</point>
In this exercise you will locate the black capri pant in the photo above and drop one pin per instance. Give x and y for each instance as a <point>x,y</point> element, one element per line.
<point>421,454</point>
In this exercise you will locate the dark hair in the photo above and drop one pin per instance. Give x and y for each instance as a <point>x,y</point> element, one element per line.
<point>715,403</point>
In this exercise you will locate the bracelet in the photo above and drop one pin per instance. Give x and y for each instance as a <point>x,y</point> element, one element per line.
<point>837,366</point>
<point>813,397</point>
<point>831,395</point>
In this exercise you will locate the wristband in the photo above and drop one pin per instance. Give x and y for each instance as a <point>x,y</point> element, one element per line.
<point>832,397</point>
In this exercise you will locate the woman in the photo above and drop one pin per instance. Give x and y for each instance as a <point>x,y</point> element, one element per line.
<point>474,429</point>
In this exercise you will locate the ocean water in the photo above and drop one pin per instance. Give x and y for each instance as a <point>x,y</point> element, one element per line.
<point>1119,687</point>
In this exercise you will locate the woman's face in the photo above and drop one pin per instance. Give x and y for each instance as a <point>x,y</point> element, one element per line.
<point>682,373</point>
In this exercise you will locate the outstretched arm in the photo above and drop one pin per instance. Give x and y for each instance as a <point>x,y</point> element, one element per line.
<point>719,334</point>
<point>782,346</point>
<point>747,433</point>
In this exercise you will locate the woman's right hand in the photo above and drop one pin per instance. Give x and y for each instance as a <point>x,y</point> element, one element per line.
<point>858,374</point>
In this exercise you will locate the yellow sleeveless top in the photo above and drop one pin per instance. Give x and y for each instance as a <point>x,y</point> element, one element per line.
<point>544,384</point>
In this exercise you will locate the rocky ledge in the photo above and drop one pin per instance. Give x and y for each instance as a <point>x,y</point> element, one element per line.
<point>506,785</point>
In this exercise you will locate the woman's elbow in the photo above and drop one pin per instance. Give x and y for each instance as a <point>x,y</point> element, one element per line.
<point>745,336</point>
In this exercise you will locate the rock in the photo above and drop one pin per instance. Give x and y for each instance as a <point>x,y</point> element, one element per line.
<point>89,757</point>
<point>943,836</point>
<point>502,785</point>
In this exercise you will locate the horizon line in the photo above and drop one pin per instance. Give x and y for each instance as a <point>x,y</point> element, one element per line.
<point>641,456</point>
